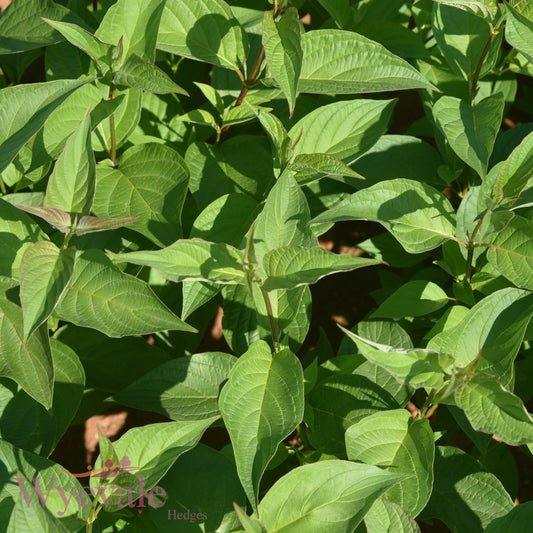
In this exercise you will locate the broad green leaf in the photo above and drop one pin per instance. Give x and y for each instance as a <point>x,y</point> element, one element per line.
<point>93,224</point>
<point>185,388</point>
<point>524,7</point>
<point>310,167</point>
<point>191,484</point>
<point>276,133</point>
<point>135,23</point>
<point>72,183</point>
<point>17,232</point>
<point>212,95</point>
<point>338,402</point>
<point>336,62</point>
<point>33,517</point>
<point>465,497</point>
<point>507,180</point>
<point>100,52</point>
<point>462,36</point>
<point>98,296</point>
<point>53,215</point>
<point>261,403</point>
<point>385,516</point>
<point>141,74</point>
<point>226,220</point>
<point>200,117</point>
<point>20,470</point>
<point>414,298</point>
<point>330,496</point>
<point>150,451</point>
<point>495,326</point>
<point>250,525</point>
<point>470,130</point>
<point>284,219</point>
<point>28,363</point>
<point>393,439</point>
<point>241,164</point>
<point>127,116</point>
<point>519,32</point>
<point>511,252</point>
<point>292,266</point>
<point>283,51</point>
<point>192,259</point>
<point>344,129</point>
<point>32,427</point>
<point>21,26</point>
<point>517,520</point>
<point>340,11</point>
<point>204,30</point>
<point>420,217</point>
<point>416,366</point>
<point>45,271</point>
<point>195,294</point>
<point>63,122</point>
<point>125,359</point>
<point>492,409</point>
<point>150,183</point>
<point>25,108</point>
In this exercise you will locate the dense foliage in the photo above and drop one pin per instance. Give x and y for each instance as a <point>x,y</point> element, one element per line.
<point>180,156</point>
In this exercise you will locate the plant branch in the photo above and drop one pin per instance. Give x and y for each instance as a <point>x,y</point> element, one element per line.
<point>471,245</point>
<point>472,87</point>
<point>271,319</point>
<point>113,153</point>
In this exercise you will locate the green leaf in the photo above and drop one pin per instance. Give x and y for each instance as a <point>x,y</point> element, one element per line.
<point>32,427</point>
<point>100,52</point>
<point>141,74</point>
<point>17,232</point>
<point>393,439</point>
<point>517,520</point>
<point>344,129</point>
<point>293,266</point>
<point>45,271</point>
<point>462,35</point>
<point>519,32</point>
<point>338,402</point>
<point>241,164</point>
<point>72,183</point>
<point>201,117</point>
<point>191,483</point>
<point>212,95</point>
<point>276,133</point>
<point>465,497</point>
<point>151,450</point>
<point>21,26</point>
<point>261,404</point>
<point>25,108</point>
<point>206,31</point>
<point>414,298</point>
<point>98,296</point>
<point>33,517</point>
<point>135,24</point>
<point>284,219</point>
<point>53,215</point>
<point>185,388</point>
<point>420,217</point>
<point>283,51</point>
<point>94,224</point>
<point>507,180</point>
<point>387,516</point>
<point>470,130</point>
<point>511,252</point>
<point>150,183</point>
<point>28,363</point>
<point>336,62</point>
<point>226,220</point>
<point>192,259</point>
<point>330,496</point>
<point>492,409</point>
<point>416,366</point>
<point>249,524</point>
<point>310,167</point>
<point>495,326</point>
